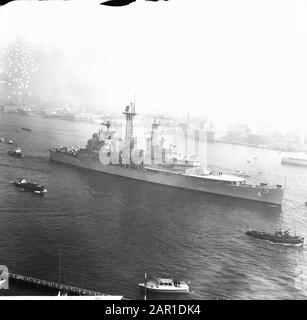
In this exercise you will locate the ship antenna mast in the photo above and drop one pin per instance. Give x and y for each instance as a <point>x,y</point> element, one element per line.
<point>185,127</point>
<point>154,128</point>
<point>129,114</point>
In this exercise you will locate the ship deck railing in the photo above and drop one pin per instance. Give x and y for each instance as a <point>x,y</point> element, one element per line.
<point>215,179</point>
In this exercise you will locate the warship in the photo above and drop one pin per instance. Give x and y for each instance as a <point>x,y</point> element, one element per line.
<point>107,154</point>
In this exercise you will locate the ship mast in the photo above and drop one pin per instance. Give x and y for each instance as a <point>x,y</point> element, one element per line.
<point>129,114</point>
<point>185,127</point>
<point>153,139</point>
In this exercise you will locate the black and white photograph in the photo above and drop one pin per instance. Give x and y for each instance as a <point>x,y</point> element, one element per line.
<point>153,151</point>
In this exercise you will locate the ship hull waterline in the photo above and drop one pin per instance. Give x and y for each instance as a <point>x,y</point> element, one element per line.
<point>253,193</point>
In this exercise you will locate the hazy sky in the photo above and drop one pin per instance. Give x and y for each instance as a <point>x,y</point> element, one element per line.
<point>229,59</point>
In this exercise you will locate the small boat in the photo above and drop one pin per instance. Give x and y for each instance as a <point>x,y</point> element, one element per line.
<point>9,141</point>
<point>29,186</point>
<point>282,237</point>
<point>241,173</point>
<point>26,129</point>
<point>166,285</point>
<point>2,140</point>
<point>15,153</point>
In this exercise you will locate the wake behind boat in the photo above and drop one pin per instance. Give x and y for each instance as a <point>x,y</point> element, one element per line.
<point>29,186</point>
<point>166,286</point>
<point>281,237</point>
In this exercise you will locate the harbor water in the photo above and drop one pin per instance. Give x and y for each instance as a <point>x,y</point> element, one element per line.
<point>110,230</point>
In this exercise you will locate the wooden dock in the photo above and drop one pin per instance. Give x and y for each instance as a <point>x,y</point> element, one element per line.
<point>57,286</point>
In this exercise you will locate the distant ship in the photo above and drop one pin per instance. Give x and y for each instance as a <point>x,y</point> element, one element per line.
<point>181,171</point>
<point>277,237</point>
<point>294,161</point>
<point>60,116</point>
<point>26,129</point>
<point>241,173</point>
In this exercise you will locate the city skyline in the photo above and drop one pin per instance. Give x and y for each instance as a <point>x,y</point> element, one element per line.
<point>219,62</point>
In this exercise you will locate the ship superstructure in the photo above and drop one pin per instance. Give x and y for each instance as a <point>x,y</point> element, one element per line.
<point>159,165</point>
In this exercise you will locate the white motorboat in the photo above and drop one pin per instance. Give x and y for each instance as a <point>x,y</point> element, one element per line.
<point>166,285</point>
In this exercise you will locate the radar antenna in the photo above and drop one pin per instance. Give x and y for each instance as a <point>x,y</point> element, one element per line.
<point>107,124</point>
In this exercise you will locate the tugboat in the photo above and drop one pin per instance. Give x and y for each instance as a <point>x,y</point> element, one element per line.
<point>29,186</point>
<point>15,153</point>
<point>282,237</point>
<point>166,285</point>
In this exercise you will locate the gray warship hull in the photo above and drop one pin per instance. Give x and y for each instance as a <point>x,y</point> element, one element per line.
<point>271,195</point>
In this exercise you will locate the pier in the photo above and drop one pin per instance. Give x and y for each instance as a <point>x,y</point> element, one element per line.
<point>60,286</point>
